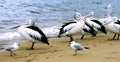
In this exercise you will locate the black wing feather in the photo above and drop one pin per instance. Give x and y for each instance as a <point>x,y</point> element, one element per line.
<point>103,29</point>
<point>43,38</point>
<point>92,31</point>
<point>61,29</point>
<point>117,22</point>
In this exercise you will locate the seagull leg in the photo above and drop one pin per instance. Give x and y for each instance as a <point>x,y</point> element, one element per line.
<point>75,53</point>
<point>11,53</point>
<point>31,48</point>
<point>14,54</point>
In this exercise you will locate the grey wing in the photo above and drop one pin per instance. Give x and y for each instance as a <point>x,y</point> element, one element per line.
<point>79,47</point>
<point>9,48</point>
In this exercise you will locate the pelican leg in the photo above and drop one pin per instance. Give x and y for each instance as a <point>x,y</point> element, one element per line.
<point>31,48</point>
<point>71,38</point>
<point>118,37</point>
<point>82,36</point>
<point>114,36</point>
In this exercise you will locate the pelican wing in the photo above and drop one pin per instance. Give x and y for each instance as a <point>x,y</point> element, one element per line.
<point>37,34</point>
<point>117,22</point>
<point>66,27</point>
<point>33,33</point>
<point>103,29</point>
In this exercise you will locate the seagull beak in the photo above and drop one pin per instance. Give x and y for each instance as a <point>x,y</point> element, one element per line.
<point>87,48</point>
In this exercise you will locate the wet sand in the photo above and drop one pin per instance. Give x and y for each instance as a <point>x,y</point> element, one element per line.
<point>101,50</point>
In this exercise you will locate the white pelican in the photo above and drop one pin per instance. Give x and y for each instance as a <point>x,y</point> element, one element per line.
<point>109,18</point>
<point>117,22</point>
<point>11,48</point>
<point>111,23</point>
<point>84,29</point>
<point>31,32</point>
<point>103,20</point>
<point>76,46</point>
<point>96,24</point>
<point>113,27</point>
<point>72,28</point>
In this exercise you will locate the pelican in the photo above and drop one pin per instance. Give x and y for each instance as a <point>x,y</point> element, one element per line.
<point>111,23</point>
<point>109,9</point>
<point>109,18</point>
<point>113,27</point>
<point>76,46</point>
<point>86,29</point>
<point>72,28</point>
<point>32,33</point>
<point>96,24</point>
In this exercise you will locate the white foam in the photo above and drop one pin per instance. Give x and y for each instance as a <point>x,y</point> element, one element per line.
<point>15,36</point>
<point>51,31</point>
<point>10,37</point>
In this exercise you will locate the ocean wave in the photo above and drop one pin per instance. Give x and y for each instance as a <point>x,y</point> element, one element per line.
<point>11,37</point>
<point>15,36</point>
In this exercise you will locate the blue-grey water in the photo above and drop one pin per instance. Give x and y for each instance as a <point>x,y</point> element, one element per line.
<point>48,14</point>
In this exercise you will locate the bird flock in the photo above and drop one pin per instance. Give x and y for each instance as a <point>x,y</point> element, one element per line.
<point>79,25</point>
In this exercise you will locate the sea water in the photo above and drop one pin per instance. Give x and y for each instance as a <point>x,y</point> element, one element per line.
<point>49,15</point>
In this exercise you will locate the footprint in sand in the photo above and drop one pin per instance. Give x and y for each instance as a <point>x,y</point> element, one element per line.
<point>36,53</point>
<point>30,60</point>
<point>22,57</point>
<point>47,57</point>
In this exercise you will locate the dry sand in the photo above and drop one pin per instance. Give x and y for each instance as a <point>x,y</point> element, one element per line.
<point>101,50</point>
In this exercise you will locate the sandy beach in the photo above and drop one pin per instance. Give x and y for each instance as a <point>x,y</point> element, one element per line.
<point>101,50</point>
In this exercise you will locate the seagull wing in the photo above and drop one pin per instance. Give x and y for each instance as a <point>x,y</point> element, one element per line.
<point>9,48</point>
<point>78,46</point>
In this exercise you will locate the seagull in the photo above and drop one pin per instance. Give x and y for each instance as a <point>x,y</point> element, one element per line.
<point>11,48</point>
<point>32,33</point>
<point>76,46</point>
